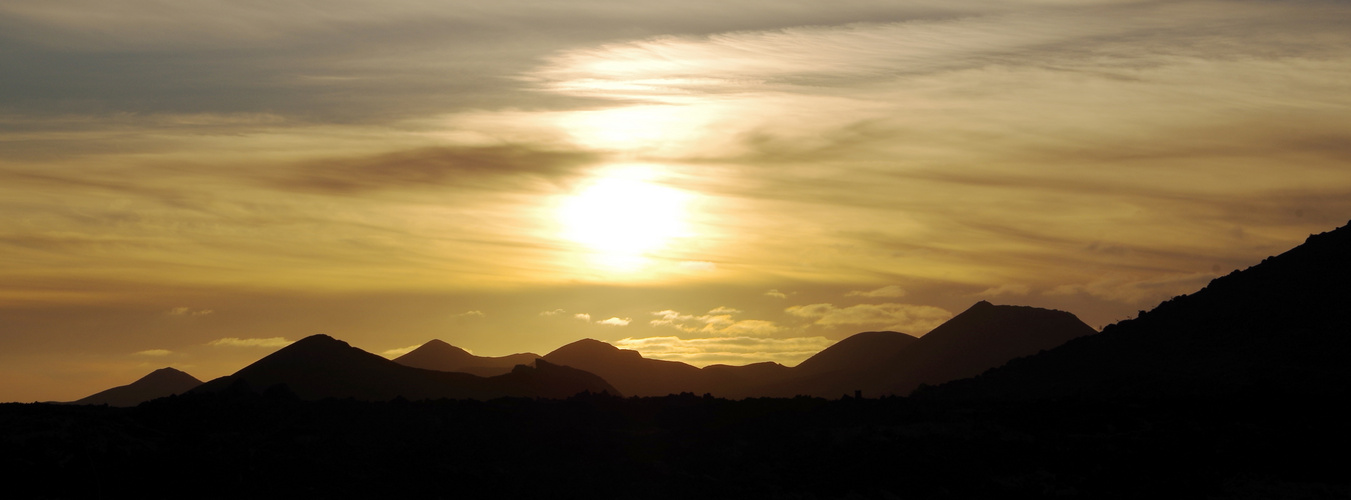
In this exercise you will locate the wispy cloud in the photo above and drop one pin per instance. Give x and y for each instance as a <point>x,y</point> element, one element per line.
<point>155,353</point>
<point>908,318</point>
<point>394,353</point>
<point>253,342</point>
<point>1137,291</point>
<point>187,311</point>
<point>481,167</point>
<point>717,322</point>
<point>886,291</point>
<point>615,321</point>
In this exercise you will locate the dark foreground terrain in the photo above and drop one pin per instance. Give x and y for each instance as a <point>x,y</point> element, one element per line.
<point>239,444</point>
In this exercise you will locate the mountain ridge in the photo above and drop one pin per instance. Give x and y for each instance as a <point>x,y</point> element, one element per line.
<point>320,366</point>
<point>1273,327</point>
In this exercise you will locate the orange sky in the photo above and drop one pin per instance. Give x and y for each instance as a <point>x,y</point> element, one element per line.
<point>194,184</point>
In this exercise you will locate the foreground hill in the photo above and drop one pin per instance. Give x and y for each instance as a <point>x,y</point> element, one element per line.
<point>320,366</point>
<point>440,356</point>
<point>1278,327</point>
<point>159,383</point>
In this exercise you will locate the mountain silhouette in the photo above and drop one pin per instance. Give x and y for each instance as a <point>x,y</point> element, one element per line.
<point>837,370</point>
<point>877,363</point>
<point>320,366</point>
<point>440,356</point>
<point>159,383</point>
<point>1279,327</point>
<point>982,337</point>
<point>737,382</point>
<point>860,349</point>
<point>891,363</point>
<point>627,370</point>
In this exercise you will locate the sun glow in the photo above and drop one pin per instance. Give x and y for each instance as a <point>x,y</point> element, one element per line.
<point>624,216</point>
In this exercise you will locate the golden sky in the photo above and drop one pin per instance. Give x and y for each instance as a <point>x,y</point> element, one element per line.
<point>196,183</point>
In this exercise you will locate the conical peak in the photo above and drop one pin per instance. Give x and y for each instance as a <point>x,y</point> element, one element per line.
<point>440,346</point>
<point>168,375</point>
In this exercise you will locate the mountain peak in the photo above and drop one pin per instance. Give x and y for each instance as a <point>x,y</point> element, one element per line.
<point>157,384</point>
<point>590,347</point>
<point>860,349</point>
<point>320,339</point>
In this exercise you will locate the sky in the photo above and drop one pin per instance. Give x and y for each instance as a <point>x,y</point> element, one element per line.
<point>198,183</point>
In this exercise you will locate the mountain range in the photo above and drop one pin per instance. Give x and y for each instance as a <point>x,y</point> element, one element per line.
<point>1278,326</point>
<point>320,366</point>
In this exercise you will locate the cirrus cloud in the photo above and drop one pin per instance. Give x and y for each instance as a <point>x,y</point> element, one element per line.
<point>886,291</point>
<point>718,322</point>
<point>909,318</point>
<point>253,342</point>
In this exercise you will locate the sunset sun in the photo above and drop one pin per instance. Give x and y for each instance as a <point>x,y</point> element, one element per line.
<point>623,215</point>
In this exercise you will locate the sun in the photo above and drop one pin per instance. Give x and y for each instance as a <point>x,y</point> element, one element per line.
<point>624,215</point>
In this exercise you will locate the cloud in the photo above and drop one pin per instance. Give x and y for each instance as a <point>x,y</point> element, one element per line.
<point>186,311</point>
<point>254,342</point>
<point>776,294</point>
<point>690,265</point>
<point>615,321</point>
<point>737,350</point>
<point>471,313</point>
<point>1137,291</point>
<point>582,316</point>
<point>886,291</point>
<point>482,167</point>
<point>554,312</point>
<point>908,318</point>
<point>394,353</point>
<point>153,352</point>
<point>1005,289</point>
<point>718,322</point>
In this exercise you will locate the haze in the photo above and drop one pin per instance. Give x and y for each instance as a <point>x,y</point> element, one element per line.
<point>196,184</point>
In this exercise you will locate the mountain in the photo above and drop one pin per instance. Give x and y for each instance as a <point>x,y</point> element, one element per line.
<point>159,383</point>
<point>1279,327</point>
<point>982,337</point>
<point>628,370</point>
<point>440,356</point>
<point>861,349</point>
<point>878,363</point>
<point>837,370</point>
<point>890,363</point>
<point>320,366</point>
<point>738,382</point>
